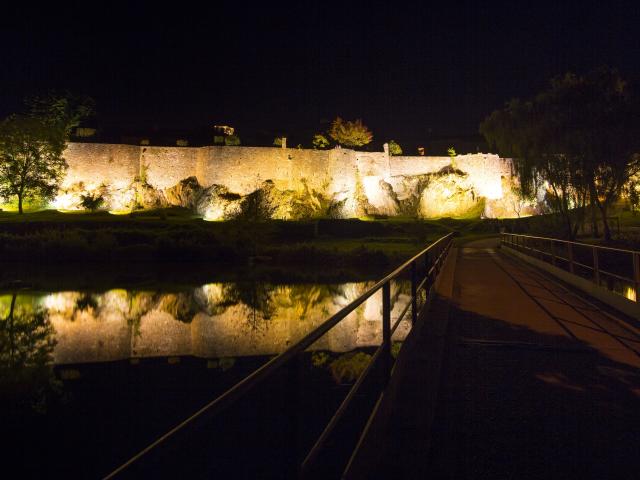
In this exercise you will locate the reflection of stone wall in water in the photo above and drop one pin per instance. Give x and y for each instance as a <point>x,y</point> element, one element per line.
<point>212,321</point>
<point>299,183</point>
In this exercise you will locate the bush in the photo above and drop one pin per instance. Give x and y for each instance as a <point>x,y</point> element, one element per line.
<point>232,140</point>
<point>320,142</point>
<point>394,148</point>
<point>348,367</point>
<point>256,207</point>
<point>91,202</point>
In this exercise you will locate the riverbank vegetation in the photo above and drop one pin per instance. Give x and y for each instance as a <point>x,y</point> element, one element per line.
<point>175,234</point>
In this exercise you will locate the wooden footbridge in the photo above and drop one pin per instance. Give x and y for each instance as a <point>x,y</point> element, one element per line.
<point>522,362</point>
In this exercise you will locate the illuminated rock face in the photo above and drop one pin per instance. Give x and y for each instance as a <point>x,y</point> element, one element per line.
<point>449,194</point>
<point>211,321</point>
<point>297,183</point>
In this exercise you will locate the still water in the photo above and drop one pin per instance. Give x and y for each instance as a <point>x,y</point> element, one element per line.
<point>89,377</point>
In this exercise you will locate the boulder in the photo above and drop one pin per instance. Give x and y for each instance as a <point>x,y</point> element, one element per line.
<point>148,197</point>
<point>185,193</point>
<point>217,203</point>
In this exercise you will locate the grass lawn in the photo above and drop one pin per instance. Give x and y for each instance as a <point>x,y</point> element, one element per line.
<point>173,214</point>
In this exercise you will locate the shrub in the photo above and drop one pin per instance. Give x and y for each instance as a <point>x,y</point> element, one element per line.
<point>394,148</point>
<point>256,207</point>
<point>349,367</point>
<point>91,202</point>
<point>319,141</point>
<point>232,140</point>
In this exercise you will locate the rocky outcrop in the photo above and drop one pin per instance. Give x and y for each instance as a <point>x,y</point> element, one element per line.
<point>449,194</point>
<point>137,195</point>
<point>380,198</point>
<point>185,193</point>
<point>148,197</point>
<point>217,203</point>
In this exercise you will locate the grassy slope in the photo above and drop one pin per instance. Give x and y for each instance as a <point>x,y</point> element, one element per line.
<point>175,234</point>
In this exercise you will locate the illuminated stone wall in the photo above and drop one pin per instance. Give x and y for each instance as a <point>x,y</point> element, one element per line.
<point>337,174</point>
<point>484,170</point>
<point>97,163</point>
<point>163,167</point>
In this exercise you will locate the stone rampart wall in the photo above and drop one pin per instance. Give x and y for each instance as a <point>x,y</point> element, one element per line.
<point>337,174</point>
<point>97,163</point>
<point>404,165</point>
<point>163,167</point>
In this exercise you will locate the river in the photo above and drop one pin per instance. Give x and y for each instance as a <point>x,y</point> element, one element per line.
<point>91,375</point>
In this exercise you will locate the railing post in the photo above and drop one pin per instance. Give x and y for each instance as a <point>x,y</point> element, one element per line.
<point>386,333</point>
<point>414,293</point>
<point>596,268</point>
<point>553,253</point>
<point>570,254</point>
<point>636,275</point>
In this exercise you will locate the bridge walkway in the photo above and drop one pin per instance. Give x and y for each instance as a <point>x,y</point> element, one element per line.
<point>512,376</point>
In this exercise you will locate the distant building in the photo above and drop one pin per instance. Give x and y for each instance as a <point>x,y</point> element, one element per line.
<point>223,129</point>
<point>85,132</point>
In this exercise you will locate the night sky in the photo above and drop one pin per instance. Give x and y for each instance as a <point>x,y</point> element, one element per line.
<point>410,70</point>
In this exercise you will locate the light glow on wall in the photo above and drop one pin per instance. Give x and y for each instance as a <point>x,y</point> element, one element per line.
<point>215,213</point>
<point>66,201</point>
<point>630,293</point>
<point>491,190</point>
<point>372,189</point>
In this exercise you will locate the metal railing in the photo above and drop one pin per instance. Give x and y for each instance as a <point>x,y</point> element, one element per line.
<point>428,262</point>
<point>591,261</point>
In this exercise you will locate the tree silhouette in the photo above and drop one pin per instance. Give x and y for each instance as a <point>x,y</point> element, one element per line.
<point>26,348</point>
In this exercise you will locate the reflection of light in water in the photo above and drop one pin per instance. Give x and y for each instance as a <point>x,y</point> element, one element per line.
<point>60,302</point>
<point>209,321</point>
<point>630,293</point>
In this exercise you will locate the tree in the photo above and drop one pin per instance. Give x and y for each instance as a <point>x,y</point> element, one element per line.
<point>31,146</point>
<point>579,137</point>
<point>394,148</point>
<point>452,155</point>
<point>31,162</point>
<point>602,127</point>
<point>26,357</point>
<point>61,110</point>
<point>350,134</point>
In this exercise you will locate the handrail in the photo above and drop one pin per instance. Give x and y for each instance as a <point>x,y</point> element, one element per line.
<point>523,242</point>
<point>244,386</point>
<point>582,244</point>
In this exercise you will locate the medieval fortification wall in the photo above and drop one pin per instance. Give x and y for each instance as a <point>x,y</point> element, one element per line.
<point>337,173</point>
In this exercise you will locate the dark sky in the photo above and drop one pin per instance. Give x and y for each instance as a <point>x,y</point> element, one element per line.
<point>406,69</point>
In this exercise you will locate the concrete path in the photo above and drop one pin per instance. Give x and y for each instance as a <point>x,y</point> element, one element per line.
<point>535,383</point>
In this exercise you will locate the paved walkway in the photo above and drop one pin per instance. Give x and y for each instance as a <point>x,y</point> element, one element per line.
<point>534,382</point>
